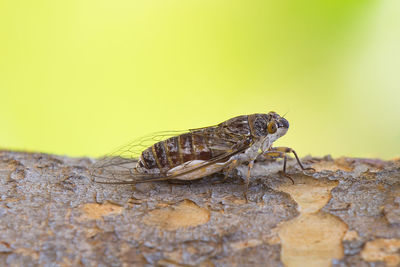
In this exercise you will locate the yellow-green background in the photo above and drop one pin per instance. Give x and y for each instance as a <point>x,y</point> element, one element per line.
<point>81,77</point>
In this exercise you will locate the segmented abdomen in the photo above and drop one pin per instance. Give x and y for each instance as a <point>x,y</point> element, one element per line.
<point>174,151</point>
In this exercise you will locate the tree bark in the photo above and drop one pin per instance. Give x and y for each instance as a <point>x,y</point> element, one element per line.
<point>346,213</point>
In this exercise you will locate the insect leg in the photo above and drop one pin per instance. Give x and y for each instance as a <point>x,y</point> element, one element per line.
<point>290,150</point>
<point>279,154</point>
<point>250,166</point>
<point>228,168</point>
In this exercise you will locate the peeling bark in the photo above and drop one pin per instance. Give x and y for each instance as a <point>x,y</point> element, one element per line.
<point>347,213</point>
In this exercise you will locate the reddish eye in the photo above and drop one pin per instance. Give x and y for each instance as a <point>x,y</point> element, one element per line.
<point>271,127</point>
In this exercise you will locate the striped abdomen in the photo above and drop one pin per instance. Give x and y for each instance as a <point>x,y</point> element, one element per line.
<point>174,151</point>
<point>177,150</point>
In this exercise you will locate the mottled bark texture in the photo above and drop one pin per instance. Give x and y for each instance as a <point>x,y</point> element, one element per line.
<point>347,213</point>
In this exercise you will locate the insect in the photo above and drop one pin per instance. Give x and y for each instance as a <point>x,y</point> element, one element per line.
<point>197,153</point>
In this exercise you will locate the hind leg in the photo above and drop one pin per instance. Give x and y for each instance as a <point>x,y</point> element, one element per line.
<point>227,169</point>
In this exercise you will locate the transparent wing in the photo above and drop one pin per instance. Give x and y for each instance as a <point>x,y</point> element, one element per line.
<point>118,167</point>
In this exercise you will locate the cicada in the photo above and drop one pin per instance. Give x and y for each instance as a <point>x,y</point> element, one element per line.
<point>197,153</point>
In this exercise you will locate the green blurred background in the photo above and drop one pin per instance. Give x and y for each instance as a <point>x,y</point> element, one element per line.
<point>82,77</point>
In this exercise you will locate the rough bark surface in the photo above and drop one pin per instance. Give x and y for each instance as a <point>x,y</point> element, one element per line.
<point>347,213</point>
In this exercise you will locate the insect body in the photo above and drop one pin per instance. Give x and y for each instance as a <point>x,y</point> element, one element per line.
<point>197,152</point>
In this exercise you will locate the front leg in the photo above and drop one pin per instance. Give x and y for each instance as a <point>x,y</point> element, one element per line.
<point>280,152</point>
<point>249,167</point>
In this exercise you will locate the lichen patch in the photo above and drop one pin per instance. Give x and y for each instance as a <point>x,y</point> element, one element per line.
<point>94,211</point>
<point>387,250</point>
<point>181,215</point>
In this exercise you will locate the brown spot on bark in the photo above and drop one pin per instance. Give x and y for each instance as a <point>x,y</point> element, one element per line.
<point>245,244</point>
<point>313,238</point>
<point>387,250</point>
<point>337,164</point>
<point>310,194</point>
<point>27,252</point>
<point>94,211</point>
<point>182,215</point>
<point>350,235</point>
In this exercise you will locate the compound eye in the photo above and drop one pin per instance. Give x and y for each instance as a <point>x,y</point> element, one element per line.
<point>271,127</point>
